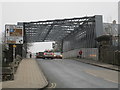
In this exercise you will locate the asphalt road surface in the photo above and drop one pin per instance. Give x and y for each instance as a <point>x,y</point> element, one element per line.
<point>64,73</point>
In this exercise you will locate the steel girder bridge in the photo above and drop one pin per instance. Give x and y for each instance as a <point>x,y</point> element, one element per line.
<point>54,30</point>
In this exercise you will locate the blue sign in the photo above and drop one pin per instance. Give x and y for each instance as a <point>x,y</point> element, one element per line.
<point>11,30</point>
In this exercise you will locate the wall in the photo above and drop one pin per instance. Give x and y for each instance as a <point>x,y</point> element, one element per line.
<point>84,38</point>
<point>98,25</point>
<point>88,53</point>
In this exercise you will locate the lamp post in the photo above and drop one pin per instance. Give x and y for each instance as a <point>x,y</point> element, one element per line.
<point>14,46</point>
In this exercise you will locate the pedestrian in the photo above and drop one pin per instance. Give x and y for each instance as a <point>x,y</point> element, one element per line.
<point>80,53</point>
<point>30,55</point>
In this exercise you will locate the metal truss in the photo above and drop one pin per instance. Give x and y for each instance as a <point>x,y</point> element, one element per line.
<point>54,30</point>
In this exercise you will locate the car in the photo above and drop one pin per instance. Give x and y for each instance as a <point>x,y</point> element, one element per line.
<point>40,55</point>
<point>58,55</point>
<point>48,54</point>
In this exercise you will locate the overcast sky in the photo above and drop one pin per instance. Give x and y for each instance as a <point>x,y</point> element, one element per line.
<point>40,47</point>
<point>13,12</point>
<point>35,11</point>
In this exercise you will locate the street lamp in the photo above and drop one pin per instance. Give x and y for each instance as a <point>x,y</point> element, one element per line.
<point>14,46</point>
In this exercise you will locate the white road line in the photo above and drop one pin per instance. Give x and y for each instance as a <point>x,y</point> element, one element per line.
<point>92,74</point>
<point>103,78</point>
<point>110,80</point>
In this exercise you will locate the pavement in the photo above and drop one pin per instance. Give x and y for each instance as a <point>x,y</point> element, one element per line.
<point>28,75</point>
<point>69,73</point>
<point>99,64</point>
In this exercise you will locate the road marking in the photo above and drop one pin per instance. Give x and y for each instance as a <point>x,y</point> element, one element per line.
<point>110,80</point>
<point>53,85</point>
<point>91,74</point>
<point>101,77</point>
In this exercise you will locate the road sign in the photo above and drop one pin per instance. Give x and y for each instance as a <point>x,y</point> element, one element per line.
<point>14,34</point>
<point>11,30</point>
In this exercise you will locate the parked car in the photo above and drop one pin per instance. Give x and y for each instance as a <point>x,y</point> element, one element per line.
<point>48,54</point>
<point>58,55</point>
<point>40,55</point>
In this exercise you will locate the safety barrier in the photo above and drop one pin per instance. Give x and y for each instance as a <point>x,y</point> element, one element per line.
<point>9,69</point>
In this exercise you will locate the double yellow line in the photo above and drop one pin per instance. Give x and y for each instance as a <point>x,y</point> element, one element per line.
<point>52,85</point>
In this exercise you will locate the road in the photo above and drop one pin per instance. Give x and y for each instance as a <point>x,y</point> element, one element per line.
<point>64,73</point>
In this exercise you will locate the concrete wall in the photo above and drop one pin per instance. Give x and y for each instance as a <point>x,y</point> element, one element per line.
<point>98,25</point>
<point>88,53</point>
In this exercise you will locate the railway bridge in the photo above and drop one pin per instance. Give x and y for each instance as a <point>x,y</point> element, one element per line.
<point>73,34</point>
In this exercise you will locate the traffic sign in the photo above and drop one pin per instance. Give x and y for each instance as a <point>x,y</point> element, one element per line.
<point>14,34</point>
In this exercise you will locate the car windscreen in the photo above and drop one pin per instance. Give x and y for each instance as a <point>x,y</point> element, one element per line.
<point>57,53</point>
<point>48,51</point>
<point>41,53</point>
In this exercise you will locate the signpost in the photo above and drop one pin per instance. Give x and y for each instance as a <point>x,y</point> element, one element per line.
<point>14,46</point>
<point>14,36</point>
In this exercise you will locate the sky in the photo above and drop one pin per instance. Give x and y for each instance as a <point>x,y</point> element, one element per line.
<point>13,12</point>
<point>0,14</point>
<point>40,47</point>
